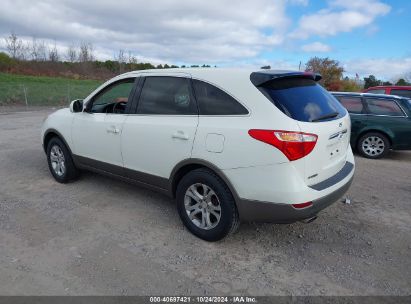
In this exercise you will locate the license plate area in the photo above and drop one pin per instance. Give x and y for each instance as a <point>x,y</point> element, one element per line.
<point>336,144</point>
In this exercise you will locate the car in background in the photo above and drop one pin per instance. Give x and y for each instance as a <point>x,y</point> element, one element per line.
<point>378,122</point>
<point>404,91</point>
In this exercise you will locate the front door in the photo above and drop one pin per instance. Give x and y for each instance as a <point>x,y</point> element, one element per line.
<point>96,132</point>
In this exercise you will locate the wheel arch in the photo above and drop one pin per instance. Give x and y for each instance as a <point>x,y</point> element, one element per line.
<point>49,134</point>
<point>185,166</point>
<point>386,133</point>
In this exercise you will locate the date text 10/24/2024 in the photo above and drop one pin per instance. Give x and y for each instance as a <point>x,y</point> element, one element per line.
<point>202,299</point>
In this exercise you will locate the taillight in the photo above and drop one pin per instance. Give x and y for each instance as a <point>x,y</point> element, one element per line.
<point>303,205</point>
<point>294,145</point>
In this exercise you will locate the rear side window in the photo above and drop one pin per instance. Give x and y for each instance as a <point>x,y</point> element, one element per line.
<point>377,91</point>
<point>383,107</point>
<point>303,99</point>
<point>213,101</point>
<point>404,93</point>
<point>352,104</point>
<point>166,95</point>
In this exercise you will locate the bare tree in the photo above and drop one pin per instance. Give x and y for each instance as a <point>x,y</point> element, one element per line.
<point>121,59</point>
<point>14,46</point>
<point>32,48</point>
<point>131,58</point>
<point>71,53</point>
<point>37,50</point>
<point>85,52</point>
<point>53,53</point>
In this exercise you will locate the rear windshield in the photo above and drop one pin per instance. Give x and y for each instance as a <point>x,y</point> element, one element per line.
<point>303,99</point>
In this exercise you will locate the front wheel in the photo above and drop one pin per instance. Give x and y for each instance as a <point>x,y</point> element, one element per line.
<point>206,205</point>
<point>373,145</point>
<point>60,162</point>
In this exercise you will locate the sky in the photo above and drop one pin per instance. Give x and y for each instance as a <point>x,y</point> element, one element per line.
<point>365,36</point>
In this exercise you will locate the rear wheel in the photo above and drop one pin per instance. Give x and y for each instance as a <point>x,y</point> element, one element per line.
<point>206,205</point>
<point>60,162</point>
<point>373,145</point>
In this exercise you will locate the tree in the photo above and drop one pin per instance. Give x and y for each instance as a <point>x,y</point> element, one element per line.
<point>402,82</point>
<point>71,53</point>
<point>371,81</point>
<point>53,54</point>
<point>14,46</point>
<point>86,52</point>
<point>6,61</point>
<point>330,70</point>
<point>121,59</point>
<point>349,85</point>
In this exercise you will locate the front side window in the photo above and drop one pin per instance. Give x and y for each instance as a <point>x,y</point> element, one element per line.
<point>113,99</point>
<point>213,101</point>
<point>303,99</point>
<point>352,104</point>
<point>166,96</point>
<point>403,93</point>
<point>383,107</point>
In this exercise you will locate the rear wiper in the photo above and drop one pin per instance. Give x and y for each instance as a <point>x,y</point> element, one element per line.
<point>326,116</point>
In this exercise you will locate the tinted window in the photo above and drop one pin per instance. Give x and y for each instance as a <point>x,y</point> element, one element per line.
<point>352,104</point>
<point>377,91</point>
<point>113,99</point>
<point>383,107</point>
<point>303,99</point>
<point>213,101</point>
<point>405,93</point>
<point>166,95</point>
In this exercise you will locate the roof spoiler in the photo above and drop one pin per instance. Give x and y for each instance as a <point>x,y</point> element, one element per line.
<point>262,77</point>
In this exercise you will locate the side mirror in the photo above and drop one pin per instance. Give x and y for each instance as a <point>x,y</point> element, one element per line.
<point>76,106</point>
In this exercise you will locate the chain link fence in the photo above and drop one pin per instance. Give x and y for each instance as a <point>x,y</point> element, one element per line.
<point>43,94</point>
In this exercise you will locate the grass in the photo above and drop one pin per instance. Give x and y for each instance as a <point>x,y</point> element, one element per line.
<point>43,91</point>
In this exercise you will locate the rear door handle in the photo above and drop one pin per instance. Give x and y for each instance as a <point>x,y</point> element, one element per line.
<point>113,129</point>
<point>180,135</point>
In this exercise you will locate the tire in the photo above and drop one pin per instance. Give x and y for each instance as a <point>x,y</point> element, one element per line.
<point>218,201</point>
<point>60,162</point>
<point>373,145</point>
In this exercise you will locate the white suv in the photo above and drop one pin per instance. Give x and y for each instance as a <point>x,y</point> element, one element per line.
<point>229,145</point>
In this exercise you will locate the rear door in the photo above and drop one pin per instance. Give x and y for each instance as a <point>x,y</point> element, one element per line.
<point>387,116</point>
<point>317,112</point>
<point>160,132</point>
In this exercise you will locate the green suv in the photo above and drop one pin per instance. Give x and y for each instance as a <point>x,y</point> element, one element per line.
<point>378,122</point>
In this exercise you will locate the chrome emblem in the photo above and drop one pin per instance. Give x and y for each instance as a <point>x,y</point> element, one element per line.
<point>340,125</point>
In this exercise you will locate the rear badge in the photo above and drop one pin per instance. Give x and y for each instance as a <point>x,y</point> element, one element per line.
<point>340,124</point>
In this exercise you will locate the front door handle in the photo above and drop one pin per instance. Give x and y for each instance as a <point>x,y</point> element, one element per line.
<point>180,135</point>
<point>113,130</point>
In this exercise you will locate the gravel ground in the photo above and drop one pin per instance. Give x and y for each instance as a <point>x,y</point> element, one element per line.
<point>98,236</point>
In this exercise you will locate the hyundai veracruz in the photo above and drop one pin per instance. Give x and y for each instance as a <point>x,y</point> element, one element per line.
<point>228,145</point>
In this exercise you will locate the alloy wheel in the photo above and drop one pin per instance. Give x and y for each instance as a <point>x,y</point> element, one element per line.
<point>373,146</point>
<point>57,160</point>
<point>202,206</point>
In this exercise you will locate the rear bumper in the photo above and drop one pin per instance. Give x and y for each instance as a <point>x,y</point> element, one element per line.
<point>257,211</point>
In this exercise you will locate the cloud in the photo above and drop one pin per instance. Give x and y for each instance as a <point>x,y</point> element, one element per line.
<point>194,31</point>
<point>340,16</point>
<point>316,47</point>
<point>299,2</point>
<point>387,68</point>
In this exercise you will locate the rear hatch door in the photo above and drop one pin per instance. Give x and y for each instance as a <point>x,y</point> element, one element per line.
<point>301,98</point>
